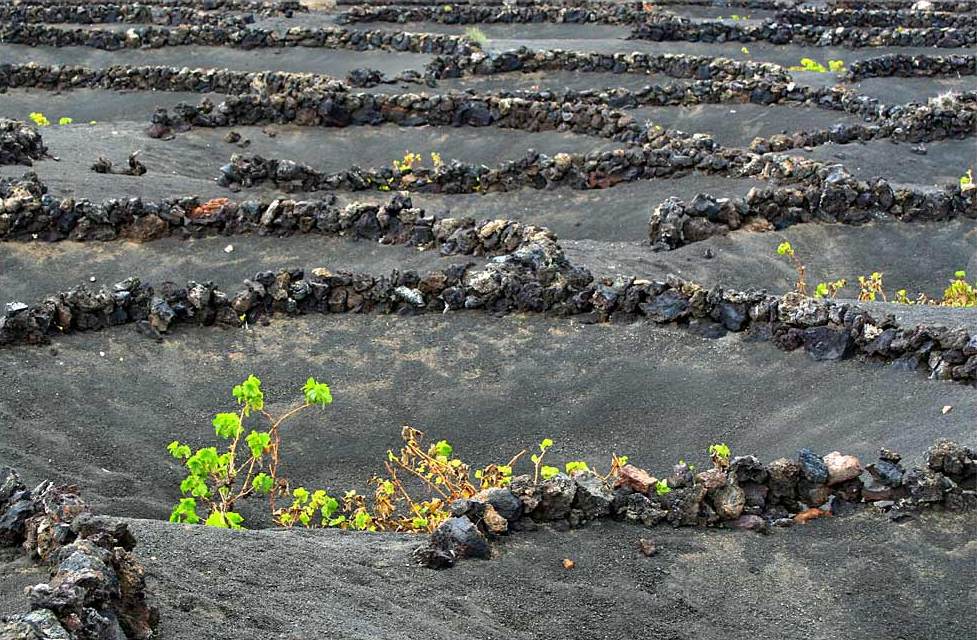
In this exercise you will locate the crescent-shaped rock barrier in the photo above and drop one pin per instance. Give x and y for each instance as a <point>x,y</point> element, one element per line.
<point>746,494</point>
<point>97,587</point>
<point>830,195</point>
<point>910,66</point>
<point>20,143</point>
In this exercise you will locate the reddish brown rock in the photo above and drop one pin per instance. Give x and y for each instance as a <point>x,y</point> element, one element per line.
<point>711,479</point>
<point>635,479</point>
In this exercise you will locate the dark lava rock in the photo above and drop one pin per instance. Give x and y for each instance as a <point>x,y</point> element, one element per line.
<point>666,307</point>
<point>824,343</point>
<point>455,539</point>
<point>556,498</point>
<point>812,466</point>
<point>593,497</point>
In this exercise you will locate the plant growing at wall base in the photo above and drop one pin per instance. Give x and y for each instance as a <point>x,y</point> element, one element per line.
<point>870,287</point>
<point>830,289</point>
<point>720,454</point>
<point>786,249</point>
<point>39,119</point>
<point>967,180</point>
<point>247,465</point>
<point>477,36</point>
<point>539,469</point>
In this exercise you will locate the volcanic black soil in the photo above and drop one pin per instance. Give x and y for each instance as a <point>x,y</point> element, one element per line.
<point>99,408</point>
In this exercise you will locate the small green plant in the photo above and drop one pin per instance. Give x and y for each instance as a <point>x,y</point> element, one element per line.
<point>539,469</point>
<point>809,64</point>
<point>960,293</point>
<point>836,66</point>
<point>662,488</point>
<point>477,36</point>
<point>576,466</point>
<point>829,289</point>
<point>222,479</point>
<point>871,287</point>
<point>305,508</point>
<point>720,454</point>
<point>967,180</point>
<point>64,120</point>
<point>409,161</point>
<point>436,160</point>
<point>745,51</point>
<point>786,249</point>
<point>39,119</point>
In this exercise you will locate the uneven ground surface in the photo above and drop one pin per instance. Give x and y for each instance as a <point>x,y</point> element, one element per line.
<point>702,584</point>
<point>98,409</point>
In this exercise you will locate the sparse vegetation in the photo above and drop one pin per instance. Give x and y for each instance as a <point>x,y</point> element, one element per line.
<point>786,249</point>
<point>720,455</point>
<point>809,64</point>
<point>220,480</point>
<point>871,288</point>
<point>477,36</point>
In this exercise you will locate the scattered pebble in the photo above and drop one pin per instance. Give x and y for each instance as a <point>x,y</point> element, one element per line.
<point>568,564</point>
<point>229,248</point>
<point>647,547</point>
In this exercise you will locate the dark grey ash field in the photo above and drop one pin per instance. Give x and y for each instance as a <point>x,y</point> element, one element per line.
<point>643,163</point>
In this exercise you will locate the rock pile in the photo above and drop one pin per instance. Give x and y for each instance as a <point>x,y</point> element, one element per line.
<point>20,143</point>
<point>741,493</point>
<point>97,588</point>
<point>830,194</point>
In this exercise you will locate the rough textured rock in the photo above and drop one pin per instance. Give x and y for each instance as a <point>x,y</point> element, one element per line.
<point>841,468</point>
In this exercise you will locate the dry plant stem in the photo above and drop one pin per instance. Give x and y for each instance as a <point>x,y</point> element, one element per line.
<point>400,487</point>
<point>801,275</point>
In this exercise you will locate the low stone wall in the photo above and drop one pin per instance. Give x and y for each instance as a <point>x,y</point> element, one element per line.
<point>905,66</point>
<point>250,38</point>
<point>675,65</point>
<point>950,117</point>
<point>29,214</point>
<point>955,6</point>
<point>162,78</point>
<point>902,18</point>
<point>20,143</point>
<point>670,28</point>
<point>119,13</point>
<point>833,195</point>
<point>261,7</point>
<point>97,587</point>
<point>741,493</point>
<point>535,277</point>
<point>593,170</point>
<point>482,14</point>
<point>342,109</point>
